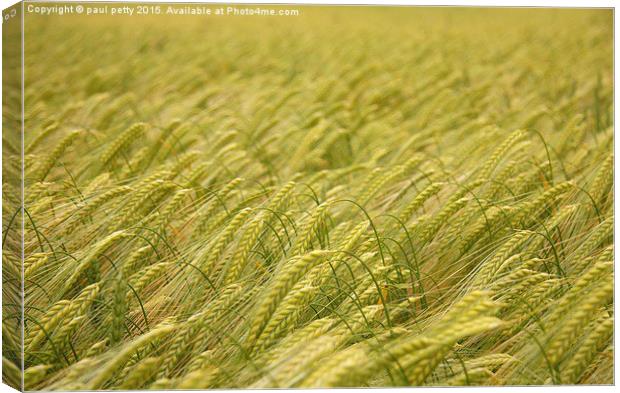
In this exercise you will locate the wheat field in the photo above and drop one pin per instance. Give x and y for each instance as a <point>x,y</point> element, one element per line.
<point>355,196</point>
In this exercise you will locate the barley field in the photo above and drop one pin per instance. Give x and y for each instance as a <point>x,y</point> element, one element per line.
<point>354,196</point>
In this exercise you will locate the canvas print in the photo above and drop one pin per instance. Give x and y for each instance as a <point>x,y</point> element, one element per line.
<point>210,196</point>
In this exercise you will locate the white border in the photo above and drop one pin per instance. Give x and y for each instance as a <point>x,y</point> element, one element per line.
<point>435,3</point>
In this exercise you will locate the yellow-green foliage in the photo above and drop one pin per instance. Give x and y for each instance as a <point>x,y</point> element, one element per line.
<point>349,197</point>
